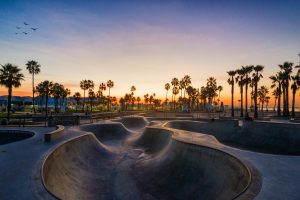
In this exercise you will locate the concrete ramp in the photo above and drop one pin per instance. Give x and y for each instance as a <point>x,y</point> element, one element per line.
<point>107,131</point>
<point>133,122</point>
<point>154,164</point>
<point>78,169</point>
<point>152,139</point>
<point>266,137</point>
<point>186,171</point>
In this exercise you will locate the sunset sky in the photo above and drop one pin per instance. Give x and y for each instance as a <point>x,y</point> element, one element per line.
<point>147,43</point>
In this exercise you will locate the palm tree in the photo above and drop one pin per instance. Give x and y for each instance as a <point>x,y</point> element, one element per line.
<point>262,93</point>
<point>44,89</point>
<point>277,82</point>
<point>92,97</point>
<point>175,91</point>
<point>109,84</point>
<point>275,93</point>
<point>138,99</point>
<point>174,83</point>
<point>231,82</point>
<point>287,68</point>
<point>33,68</point>
<point>294,87</point>
<point>77,97</point>
<point>146,99</point>
<point>56,91</point>
<point>240,79</point>
<point>167,87</point>
<point>85,85</point>
<point>247,70</point>
<point>102,87</point>
<point>187,82</point>
<point>220,88</point>
<point>256,77</point>
<point>10,76</point>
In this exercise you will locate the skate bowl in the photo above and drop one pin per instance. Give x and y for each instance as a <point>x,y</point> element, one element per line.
<point>164,168</point>
<point>260,136</point>
<point>9,136</point>
<point>107,131</point>
<point>133,122</point>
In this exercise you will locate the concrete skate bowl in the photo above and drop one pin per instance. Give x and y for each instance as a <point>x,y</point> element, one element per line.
<point>84,168</point>
<point>133,122</point>
<point>9,136</point>
<point>78,169</point>
<point>265,137</point>
<point>107,131</point>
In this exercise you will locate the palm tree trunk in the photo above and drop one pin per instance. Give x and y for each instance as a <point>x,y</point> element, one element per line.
<point>279,101</point>
<point>293,103</point>
<point>9,103</point>
<point>232,98</point>
<point>83,100</point>
<point>247,115</point>
<point>284,100</point>
<point>275,104</point>
<point>287,98</point>
<point>33,93</point>
<point>255,100</point>
<point>242,108</point>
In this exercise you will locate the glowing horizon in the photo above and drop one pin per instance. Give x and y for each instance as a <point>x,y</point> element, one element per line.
<point>147,43</point>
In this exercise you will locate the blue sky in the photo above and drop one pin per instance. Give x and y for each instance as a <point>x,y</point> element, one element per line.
<point>146,43</point>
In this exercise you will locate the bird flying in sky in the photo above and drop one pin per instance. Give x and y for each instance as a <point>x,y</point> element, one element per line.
<point>25,33</point>
<point>25,24</point>
<point>34,29</point>
<point>18,27</point>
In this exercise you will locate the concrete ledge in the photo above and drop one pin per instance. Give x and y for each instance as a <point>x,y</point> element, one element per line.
<point>53,135</point>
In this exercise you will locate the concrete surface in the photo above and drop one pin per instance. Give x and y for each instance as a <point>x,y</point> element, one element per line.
<point>115,162</point>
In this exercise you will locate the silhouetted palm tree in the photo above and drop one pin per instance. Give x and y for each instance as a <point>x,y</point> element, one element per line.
<point>85,85</point>
<point>247,70</point>
<point>109,84</point>
<point>277,82</point>
<point>287,68</point>
<point>294,87</point>
<point>33,68</point>
<point>77,97</point>
<point>256,77</point>
<point>230,81</point>
<point>275,93</point>
<point>240,79</point>
<point>44,89</point>
<point>138,99</point>
<point>57,91</point>
<point>167,87</point>
<point>10,76</point>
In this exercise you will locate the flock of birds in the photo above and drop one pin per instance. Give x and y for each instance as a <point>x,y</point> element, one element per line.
<point>22,29</point>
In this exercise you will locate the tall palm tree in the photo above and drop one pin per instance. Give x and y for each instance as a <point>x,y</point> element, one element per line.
<point>175,91</point>
<point>57,92</point>
<point>33,68</point>
<point>102,87</point>
<point>44,89</point>
<point>247,70</point>
<point>167,87</point>
<point>77,97</point>
<point>257,75</point>
<point>10,76</point>
<point>294,87</point>
<point>262,93</point>
<point>187,82</point>
<point>240,79</point>
<point>86,85</point>
<point>220,89</point>
<point>109,84</point>
<point>174,83</point>
<point>138,99</point>
<point>287,68</point>
<point>230,81</point>
<point>277,83</point>
<point>275,93</point>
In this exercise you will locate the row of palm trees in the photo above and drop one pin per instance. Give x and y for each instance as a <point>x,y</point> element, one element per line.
<point>206,94</point>
<point>251,75</point>
<point>281,85</point>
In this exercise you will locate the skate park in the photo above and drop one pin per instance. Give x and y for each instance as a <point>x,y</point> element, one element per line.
<point>137,157</point>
